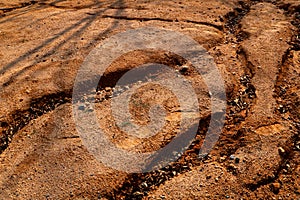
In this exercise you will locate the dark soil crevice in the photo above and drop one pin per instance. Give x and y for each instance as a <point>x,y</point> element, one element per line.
<point>233,142</point>
<point>296,38</point>
<point>137,186</point>
<point>162,20</point>
<point>118,7</point>
<point>233,19</point>
<point>237,112</point>
<point>166,58</point>
<point>283,85</point>
<point>249,67</point>
<point>53,4</point>
<point>23,5</point>
<point>38,107</point>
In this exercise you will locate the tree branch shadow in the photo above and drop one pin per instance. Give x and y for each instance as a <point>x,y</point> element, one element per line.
<point>85,23</point>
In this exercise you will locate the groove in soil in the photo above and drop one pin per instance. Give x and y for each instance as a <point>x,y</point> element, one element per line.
<point>21,118</point>
<point>23,5</point>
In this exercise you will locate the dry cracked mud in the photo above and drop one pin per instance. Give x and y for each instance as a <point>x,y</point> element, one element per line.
<point>256,47</point>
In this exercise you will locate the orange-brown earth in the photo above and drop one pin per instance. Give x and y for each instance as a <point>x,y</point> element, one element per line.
<point>256,46</point>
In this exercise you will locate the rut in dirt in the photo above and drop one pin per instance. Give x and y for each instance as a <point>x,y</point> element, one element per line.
<point>38,107</point>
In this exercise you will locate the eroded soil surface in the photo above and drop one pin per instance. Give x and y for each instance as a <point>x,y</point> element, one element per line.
<point>256,47</point>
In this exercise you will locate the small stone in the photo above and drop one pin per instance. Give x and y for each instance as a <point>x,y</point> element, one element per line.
<point>232,166</point>
<point>281,151</point>
<point>90,109</point>
<point>297,146</point>
<point>282,109</point>
<point>144,184</point>
<point>214,158</point>
<point>137,193</point>
<point>107,89</point>
<point>223,158</point>
<point>184,68</point>
<point>81,107</point>
<point>276,186</point>
<point>203,155</point>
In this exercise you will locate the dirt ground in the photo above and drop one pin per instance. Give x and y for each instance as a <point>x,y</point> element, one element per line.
<point>256,47</point>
